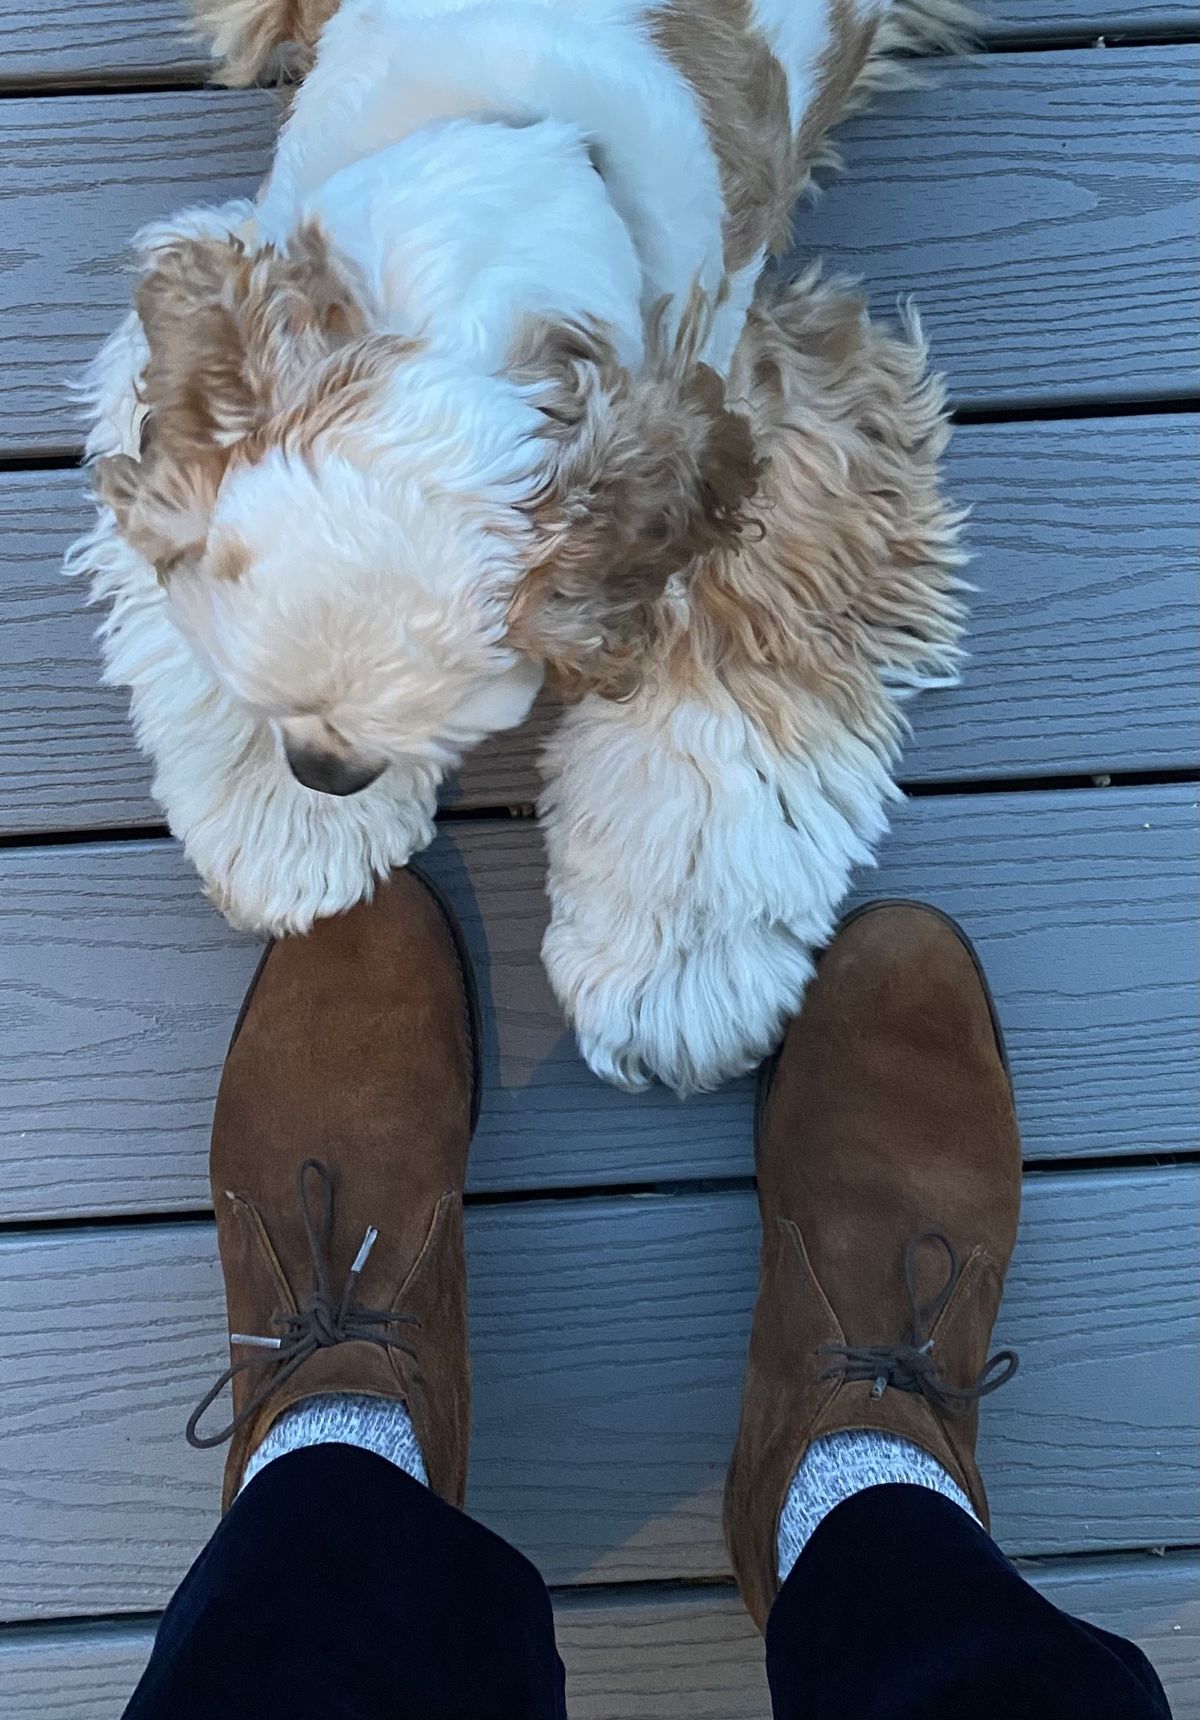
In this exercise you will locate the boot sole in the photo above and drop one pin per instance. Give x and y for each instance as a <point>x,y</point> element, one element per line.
<point>466,973</point>
<point>766,1073</point>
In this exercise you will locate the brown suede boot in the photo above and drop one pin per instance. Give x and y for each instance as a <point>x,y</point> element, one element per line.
<point>339,1152</point>
<point>889,1182</point>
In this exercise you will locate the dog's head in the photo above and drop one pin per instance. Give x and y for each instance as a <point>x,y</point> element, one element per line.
<point>377,550</point>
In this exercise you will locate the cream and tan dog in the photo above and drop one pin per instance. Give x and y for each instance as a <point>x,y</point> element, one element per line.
<point>487,382</point>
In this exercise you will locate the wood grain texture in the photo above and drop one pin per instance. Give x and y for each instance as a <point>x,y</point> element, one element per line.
<point>81,42</point>
<point>608,1345</point>
<point>1154,1602</point>
<point>677,1654</point>
<point>694,1655</point>
<point>81,175</point>
<point>118,987</point>
<point>1010,21</point>
<point>1084,636</point>
<point>1040,210</point>
<point>67,757</point>
<point>1083,633</point>
<point>96,42</point>
<point>1054,260</point>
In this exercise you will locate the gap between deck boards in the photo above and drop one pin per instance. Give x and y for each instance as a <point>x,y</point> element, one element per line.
<point>193,79</point>
<point>150,49</point>
<point>656,1650</point>
<point>109,1072</point>
<point>1052,410</point>
<point>449,816</point>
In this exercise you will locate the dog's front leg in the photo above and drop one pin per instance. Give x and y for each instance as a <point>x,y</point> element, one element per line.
<point>702,834</point>
<point>694,868</point>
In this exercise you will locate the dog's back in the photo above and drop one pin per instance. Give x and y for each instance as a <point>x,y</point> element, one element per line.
<point>704,117</point>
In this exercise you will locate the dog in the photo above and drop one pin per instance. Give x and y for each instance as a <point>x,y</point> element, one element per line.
<point>487,384</point>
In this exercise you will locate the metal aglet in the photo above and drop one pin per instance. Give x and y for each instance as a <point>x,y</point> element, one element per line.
<point>880,1386</point>
<point>255,1342</point>
<point>368,1243</point>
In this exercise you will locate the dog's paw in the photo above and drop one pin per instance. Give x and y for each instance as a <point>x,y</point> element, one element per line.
<point>690,1018</point>
<point>694,871</point>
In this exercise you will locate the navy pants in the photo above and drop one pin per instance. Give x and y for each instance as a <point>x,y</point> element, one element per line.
<point>337,1588</point>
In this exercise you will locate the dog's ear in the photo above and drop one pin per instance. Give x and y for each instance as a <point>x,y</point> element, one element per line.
<point>162,508</point>
<point>646,470</point>
<point>232,337</point>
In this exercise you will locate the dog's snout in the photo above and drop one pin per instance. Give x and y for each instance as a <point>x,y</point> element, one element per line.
<point>328,773</point>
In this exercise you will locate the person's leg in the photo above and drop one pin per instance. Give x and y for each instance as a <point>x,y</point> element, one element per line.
<point>338,1588</point>
<point>902,1608</point>
<point>343,1580</point>
<point>889,1175</point>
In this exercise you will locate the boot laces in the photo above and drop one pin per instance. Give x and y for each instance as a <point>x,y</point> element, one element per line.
<point>913,1366</point>
<point>318,1323</point>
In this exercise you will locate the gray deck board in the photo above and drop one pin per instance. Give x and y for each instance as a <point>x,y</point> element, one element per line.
<point>685,1654</point>
<point>97,41</point>
<point>118,987</point>
<point>82,174</point>
<point>1084,633</point>
<point>1054,261</point>
<point>1028,20</point>
<point>608,1345</point>
<point>113,41</point>
<point>1040,210</point>
<point>696,1656</point>
<point>67,755</point>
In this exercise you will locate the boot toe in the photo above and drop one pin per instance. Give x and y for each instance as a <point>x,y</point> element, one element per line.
<point>910,969</point>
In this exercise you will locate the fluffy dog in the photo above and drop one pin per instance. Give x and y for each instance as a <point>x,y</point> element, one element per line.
<point>485,382</point>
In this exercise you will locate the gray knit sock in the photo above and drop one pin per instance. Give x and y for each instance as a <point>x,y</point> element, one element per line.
<point>341,1418</point>
<point>842,1464</point>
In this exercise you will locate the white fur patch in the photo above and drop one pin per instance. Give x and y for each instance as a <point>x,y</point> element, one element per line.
<point>693,871</point>
<point>383,72</point>
<point>273,856</point>
<point>463,231</point>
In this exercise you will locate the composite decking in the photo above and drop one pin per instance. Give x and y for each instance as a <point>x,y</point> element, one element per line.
<point>1039,201</point>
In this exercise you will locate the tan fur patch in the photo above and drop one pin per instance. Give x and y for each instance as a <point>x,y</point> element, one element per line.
<point>646,472</point>
<point>233,334</point>
<point>336,396</point>
<point>234,338</point>
<point>840,66</point>
<point>743,94</point>
<point>853,570</point>
<point>254,37</point>
<point>846,570</point>
<point>228,558</point>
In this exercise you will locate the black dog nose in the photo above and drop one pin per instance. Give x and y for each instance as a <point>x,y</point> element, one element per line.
<point>327,773</point>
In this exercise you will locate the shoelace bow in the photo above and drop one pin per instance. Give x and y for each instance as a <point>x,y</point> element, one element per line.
<point>912,1367</point>
<point>317,1324</point>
